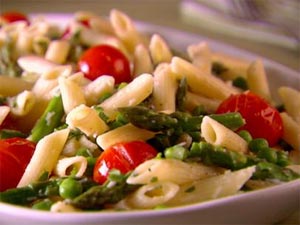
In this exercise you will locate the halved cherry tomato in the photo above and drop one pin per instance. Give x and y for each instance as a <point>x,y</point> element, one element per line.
<point>262,120</point>
<point>124,157</point>
<point>105,60</point>
<point>14,16</point>
<point>15,154</point>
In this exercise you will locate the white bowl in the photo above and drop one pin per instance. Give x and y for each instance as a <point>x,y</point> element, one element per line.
<point>266,206</point>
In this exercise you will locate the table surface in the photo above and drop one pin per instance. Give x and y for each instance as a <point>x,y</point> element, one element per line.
<point>166,13</point>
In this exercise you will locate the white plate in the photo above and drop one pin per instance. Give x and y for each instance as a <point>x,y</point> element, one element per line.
<point>267,206</point>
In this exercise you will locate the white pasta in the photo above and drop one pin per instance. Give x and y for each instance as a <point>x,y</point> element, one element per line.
<point>22,103</point>
<point>193,100</point>
<point>172,170</point>
<point>159,50</point>
<point>4,111</point>
<point>11,86</point>
<point>142,62</point>
<point>45,156</point>
<point>35,64</point>
<point>199,82</point>
<point>71,93</point>
<point>124,133</point>
<point>95,89</point>
<point>291,130</point>
<point>130,95</point>
<point>66,165</point>
<point>58,51</point>
<point>201,56</point>
<point>291,100</point>
<point>87,120</point>
<point>164,89</point>
<point>222,185</point>
<point>151,195</point>
<point>125,29</point>
<point>62,206</point>
<point>217,134</point>
<point>24,43</point>
<point>257,80</point>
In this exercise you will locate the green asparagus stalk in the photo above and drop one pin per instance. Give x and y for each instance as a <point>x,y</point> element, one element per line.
<point>50,119</point>
<point>112,191</point>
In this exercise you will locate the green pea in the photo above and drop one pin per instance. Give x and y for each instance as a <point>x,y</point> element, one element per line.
<point>245,135</point>
<point>43,205</point>
<point>268,154</point>
<point>258,143</point>
<point>70,188</point>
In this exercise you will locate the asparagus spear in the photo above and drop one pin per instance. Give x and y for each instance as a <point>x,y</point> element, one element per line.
<point>50,119</point>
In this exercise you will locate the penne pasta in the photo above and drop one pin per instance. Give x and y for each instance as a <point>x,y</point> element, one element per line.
<point>87,120</point>
<point>291,130</point>
<point>142,62</point>
<point>199,82</point>
<point>132,94</point>
<point>164,89</point>
<point>217,134</point>
<point>257,80</point>
<point>45,156</point>
<point>222,185</point>
<point>35,64</point>
<point>159,50</point>
<point>58,51</point>
<point>4,111</point>
<point>193,100</point>
<point>171,170</point>
<point>291,100</point>
<point>124,133</point>
<point>70,164</point>
<point>21,104</point>
<point>10,86</point>
<point>201,56</point>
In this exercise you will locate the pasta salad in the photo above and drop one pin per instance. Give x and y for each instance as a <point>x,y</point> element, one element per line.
<point>99,116</point>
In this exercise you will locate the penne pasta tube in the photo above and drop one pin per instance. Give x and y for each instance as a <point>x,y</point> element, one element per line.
<point>125,29</point>
<point>95,89</point>
<point>164,89</point>
<point>257,80</point>
<point>214,187</point>
<point>10,86</point>
<point>217,134</point>
<point>199,82</point>
<point>142,62</point>
<point>159,50</point>
<point>193,100</point>
<point>171,170</point>
<point>126,133</point>
<point>87,120</point>
<point>45,156</point>
<point>66,165</point>
<point>151,195</point>
<point>71,93</point>
<point>291,100</point>
<point>57,51</point>
<point>35,64</point>
<point>200,54</point>
<point>291,130</point>
<point>22,103</point>
<point>132,94</point>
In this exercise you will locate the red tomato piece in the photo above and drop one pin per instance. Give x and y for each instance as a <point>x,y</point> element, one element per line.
<point>15,154</point>
<point>124,157</point>
<point>262,120</point>
<point>105,60</point>
<point>14,16</point>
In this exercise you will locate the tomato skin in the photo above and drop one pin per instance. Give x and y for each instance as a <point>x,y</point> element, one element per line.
<point>14,16</point>
<point>124,157</point>
<point>105,60</point>
<point>15,154</point>
<point>262,120</point>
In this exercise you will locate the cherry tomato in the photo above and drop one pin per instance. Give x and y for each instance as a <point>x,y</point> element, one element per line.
<point>14,16</point>
<point>123,156</point>
<point>262,120</point>
<point>15,154</point>
<point>105,60</point>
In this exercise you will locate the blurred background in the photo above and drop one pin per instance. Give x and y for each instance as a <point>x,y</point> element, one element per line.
<point>269,28</point>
